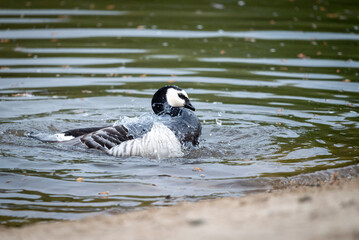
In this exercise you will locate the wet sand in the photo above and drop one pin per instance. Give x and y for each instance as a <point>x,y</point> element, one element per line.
<point>326,211</point>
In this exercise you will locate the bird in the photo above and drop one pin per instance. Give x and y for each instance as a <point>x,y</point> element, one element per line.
<point>165,134</point>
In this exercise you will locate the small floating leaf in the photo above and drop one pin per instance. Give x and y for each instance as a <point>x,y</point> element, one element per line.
<point>301,55</point>
<point>80,179</point>
<point>110,7</point>
<point>86,91</point>
<point>104,193</point>
<point>198,169</point>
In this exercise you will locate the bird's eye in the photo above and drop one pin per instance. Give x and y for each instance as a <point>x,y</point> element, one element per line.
<point>182,96</point>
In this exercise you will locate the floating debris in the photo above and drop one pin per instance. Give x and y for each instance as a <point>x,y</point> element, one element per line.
<point>333,178</point>
<point>26,94</point>
<point>86,91</point>
<point>198,169</point>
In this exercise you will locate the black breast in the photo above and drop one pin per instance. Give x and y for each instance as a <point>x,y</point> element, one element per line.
<point>186,126</point>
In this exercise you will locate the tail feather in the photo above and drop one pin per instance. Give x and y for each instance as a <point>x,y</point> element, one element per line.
<point>49,138</point>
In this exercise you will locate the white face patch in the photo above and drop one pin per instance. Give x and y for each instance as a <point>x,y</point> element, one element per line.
<point>173,99</point>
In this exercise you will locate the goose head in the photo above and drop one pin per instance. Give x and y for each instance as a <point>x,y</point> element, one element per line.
<point>170,100</point>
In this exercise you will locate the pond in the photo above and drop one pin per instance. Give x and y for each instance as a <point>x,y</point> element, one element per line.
<point>275,85</point>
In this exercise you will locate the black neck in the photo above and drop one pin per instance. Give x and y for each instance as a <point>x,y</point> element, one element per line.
<point>166,109</point>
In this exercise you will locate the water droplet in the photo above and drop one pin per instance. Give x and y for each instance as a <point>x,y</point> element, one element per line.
<point>241,3</point>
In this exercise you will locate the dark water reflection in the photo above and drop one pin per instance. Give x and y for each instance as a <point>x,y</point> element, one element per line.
<point>276,89</point>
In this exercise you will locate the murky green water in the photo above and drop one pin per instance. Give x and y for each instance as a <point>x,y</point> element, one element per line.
<point>275,84</point>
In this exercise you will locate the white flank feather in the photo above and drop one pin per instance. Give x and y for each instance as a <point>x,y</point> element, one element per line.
<point>159,143</point>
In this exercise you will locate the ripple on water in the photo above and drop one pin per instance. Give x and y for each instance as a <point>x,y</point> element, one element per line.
<point>297,62</point>
<point>31,20</point>
<point>154,33</point>
<point>57,12</point>
<point>60,61</point>
<point>81,50</point>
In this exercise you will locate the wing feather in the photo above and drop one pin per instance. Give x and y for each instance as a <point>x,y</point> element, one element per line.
<point>106,138</point>
<point>82,131</point>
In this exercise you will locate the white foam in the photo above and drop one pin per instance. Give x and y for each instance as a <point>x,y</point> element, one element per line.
<point>60,137</point>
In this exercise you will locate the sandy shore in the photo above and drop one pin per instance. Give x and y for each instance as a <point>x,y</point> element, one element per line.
<point>329,211</point>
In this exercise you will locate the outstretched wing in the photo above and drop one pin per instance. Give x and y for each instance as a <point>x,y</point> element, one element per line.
<point>106,138</point>
<point>82,131</point>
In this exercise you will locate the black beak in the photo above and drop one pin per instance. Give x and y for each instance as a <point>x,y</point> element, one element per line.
<point>189,106</point>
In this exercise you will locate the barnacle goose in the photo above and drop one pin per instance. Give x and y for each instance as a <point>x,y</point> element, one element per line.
<point>173,128</point>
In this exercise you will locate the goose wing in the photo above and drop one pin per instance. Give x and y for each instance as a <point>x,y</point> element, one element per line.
<point>82,131</point>
<point>106,138</point>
